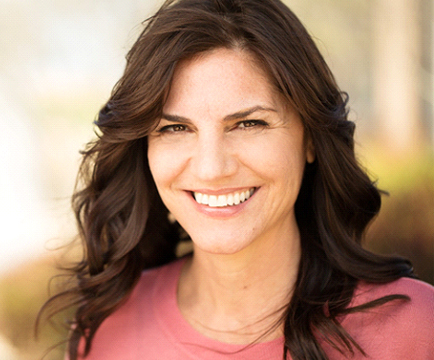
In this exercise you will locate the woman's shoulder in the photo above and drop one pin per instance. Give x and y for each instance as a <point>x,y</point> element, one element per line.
<point>152,278</point>
<point>398,329</point>
<point>164,273</point>
<point>123,333</point>
<point>418,309</point>
<point>421,294</point>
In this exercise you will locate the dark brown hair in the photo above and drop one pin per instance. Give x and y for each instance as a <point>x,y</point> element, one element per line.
<point>124,224</point>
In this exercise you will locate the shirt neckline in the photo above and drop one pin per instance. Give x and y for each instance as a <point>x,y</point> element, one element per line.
<point>188,339</point>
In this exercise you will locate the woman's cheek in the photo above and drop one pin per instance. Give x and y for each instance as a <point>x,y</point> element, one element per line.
<point>166,159</point>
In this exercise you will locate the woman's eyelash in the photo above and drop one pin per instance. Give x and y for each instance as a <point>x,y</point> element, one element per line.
<point>251,123</point>
<point>172,128</point>
<point>244,125</point>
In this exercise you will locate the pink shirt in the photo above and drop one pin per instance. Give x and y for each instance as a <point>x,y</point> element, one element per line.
<point>150,326</point>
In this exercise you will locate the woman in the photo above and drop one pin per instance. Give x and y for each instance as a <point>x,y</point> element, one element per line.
<point>228,128</point>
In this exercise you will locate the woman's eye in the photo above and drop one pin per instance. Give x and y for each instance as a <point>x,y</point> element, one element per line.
<point>173,128</point>
<point>251,123</point>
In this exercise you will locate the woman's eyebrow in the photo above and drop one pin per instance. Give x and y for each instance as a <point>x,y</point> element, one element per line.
<point>238,115</point>
<point>245,113</point>
<point>175,118</point>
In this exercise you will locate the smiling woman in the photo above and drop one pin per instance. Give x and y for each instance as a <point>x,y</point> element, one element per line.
<point>228,127</point>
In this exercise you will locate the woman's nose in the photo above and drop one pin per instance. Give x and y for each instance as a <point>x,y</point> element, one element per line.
<point>213,159</point>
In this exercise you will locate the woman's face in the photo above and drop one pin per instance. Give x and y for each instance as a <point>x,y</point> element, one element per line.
<point>228,154</point>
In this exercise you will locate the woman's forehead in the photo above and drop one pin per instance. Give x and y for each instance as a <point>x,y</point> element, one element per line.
<point>223,77</point>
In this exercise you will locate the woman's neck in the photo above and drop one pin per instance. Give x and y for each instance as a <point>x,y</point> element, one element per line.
<point>240,298</point>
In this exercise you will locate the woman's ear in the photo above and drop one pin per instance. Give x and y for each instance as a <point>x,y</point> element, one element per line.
<point>310,151</point>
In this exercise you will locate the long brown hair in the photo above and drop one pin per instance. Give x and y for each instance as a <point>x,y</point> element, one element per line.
<point>124,224</point>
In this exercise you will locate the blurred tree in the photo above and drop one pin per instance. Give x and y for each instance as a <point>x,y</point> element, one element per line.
<point>397,76</point>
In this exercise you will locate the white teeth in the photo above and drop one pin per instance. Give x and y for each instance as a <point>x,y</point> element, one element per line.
<point>223,200</point>
<point>212,201</point>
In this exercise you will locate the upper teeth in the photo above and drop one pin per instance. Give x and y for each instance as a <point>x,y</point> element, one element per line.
<point>234,198</point>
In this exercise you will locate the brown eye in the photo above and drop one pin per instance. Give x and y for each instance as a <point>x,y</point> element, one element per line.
<point>178,127</point>
<point>251,123</point>
<point>173,128</point>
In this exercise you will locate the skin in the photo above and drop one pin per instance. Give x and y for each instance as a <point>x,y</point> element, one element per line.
<point>225,129</point>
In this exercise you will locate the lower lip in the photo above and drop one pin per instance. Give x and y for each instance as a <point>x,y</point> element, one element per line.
<point>221,212</point>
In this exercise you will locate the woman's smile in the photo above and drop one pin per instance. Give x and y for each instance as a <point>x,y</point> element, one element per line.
<point>222,204</point>
<point>223,200</point>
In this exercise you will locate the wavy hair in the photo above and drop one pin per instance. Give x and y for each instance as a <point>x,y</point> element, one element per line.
<point>125,226</point>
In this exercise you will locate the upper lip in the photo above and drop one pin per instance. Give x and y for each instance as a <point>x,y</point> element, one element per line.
<point>224,191</point>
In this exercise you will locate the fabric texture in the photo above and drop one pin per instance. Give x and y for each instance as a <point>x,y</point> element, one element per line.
<point>150,326</point>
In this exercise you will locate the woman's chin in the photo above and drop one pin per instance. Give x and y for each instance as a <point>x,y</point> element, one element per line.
<point>219,246</point>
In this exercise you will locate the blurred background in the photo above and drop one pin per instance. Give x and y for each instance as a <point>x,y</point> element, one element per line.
<point>59,61</point>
